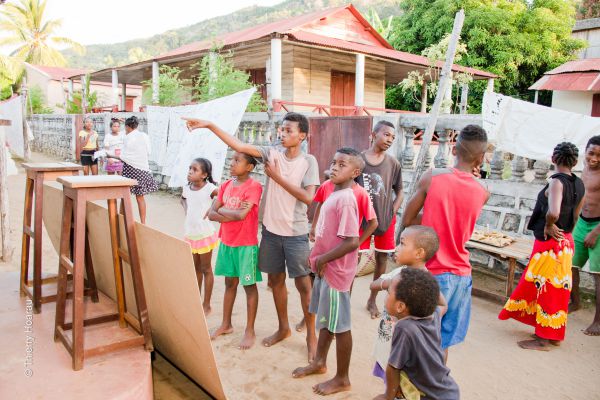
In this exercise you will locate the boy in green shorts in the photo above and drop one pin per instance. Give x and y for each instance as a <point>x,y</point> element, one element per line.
<point>236,208</point>
<point>587,230</point>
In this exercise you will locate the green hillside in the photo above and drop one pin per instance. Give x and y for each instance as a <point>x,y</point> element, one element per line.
<point>100,56</point>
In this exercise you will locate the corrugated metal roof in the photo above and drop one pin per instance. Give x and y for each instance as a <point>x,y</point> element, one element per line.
<point>59,73</point>
<point>574,81</point>
<point>584,65</point>
<point>391,54</point>
<point>293,28</point>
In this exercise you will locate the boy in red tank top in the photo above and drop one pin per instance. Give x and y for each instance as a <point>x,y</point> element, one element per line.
<point>451,200</point>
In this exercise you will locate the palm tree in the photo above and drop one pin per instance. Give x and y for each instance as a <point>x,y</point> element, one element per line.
<point>34,37</point>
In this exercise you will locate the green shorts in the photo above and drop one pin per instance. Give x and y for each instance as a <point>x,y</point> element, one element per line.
<point>238,262</point>
<point>582,253</point>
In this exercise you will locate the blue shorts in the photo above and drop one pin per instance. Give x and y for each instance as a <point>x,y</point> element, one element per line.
<point>455,323</point>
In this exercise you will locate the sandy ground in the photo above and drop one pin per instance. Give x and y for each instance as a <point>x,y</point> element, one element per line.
<point>489,365</point>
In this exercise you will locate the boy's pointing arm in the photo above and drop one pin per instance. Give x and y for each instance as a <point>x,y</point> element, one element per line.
<point>229,140</point>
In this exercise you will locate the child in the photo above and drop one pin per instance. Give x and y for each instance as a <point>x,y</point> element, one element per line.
<point>236,208</point>
<point>292,177</point>
<point>136,149</point>
<point>89,145</point>
<point>366,216</point>
<point>416,363</point>
<point>113,144</point>
<point>418,244</point>
<point>382,178</point>
<point>333,259</point>
<point>451,200</point>
<point>197,198</point>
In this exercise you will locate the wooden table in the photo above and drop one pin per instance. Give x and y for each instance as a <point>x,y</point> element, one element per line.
<point>519,249</point>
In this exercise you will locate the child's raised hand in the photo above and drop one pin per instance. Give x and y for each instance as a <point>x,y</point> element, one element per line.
<point>194,123</point>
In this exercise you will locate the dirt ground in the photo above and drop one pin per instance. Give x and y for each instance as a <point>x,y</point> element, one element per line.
<point>488,365</point>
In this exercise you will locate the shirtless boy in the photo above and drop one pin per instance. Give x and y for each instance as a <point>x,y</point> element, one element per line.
<point>587,230</point>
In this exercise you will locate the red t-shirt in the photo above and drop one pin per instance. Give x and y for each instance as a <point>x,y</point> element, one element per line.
<point>363,201</point>
<point>453,204</point>
<point>244,232</point>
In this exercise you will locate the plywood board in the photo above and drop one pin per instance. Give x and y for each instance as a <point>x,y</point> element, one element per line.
<point>179,329</point>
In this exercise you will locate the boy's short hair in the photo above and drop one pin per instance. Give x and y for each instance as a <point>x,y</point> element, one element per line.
<point>132,122</point>
<point>381,124</point>
<point>594,141</point>
<point>468,140</point>
<point>355,154</point>
<point>419,290</point>
<point>426,238</point>
<point>299,118</point>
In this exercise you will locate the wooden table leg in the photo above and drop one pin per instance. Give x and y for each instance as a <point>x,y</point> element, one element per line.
<point>136,272</point>
<point>78,268</point>
<point>512,266</point>
<point>37,244</point>
<point>64,253</point>
<point>114,242</point>
<point>24,280</point>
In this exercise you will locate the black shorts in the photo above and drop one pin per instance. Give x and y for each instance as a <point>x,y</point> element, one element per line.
<point>87,157</point>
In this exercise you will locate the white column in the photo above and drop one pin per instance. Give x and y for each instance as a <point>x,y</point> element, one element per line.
<point>123,96</point>
<point>115,87</point>
<point>212,72</point>
<point>155,82</point>
<point>490,85</point>
<point>83,94</point>
<point>535,97</point>
<point>359,82</point>
<point>70,89</point>
<point>276,68</point>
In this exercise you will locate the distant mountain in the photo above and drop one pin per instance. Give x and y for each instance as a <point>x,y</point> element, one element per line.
<point>100,56</point>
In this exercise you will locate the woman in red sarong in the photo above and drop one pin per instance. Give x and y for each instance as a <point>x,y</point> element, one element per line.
<point>541,298</point>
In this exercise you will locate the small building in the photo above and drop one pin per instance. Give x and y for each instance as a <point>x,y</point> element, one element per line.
<point>56,85</point>
<point>331,60</point>
<point>588,30</point>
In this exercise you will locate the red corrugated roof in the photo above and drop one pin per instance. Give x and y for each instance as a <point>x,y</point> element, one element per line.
<point>575,81</point>
<point>256,32</point>
<point>293,28</point>
<point>58,73</point>
<point>391,54</point>
<point>585,65</point>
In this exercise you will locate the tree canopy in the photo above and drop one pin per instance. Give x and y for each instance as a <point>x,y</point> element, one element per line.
<point>33,35</point>
<point>588,9</point>
<point>518,40</point>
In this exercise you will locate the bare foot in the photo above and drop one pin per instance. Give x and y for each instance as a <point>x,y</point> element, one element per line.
<point>276,337</point>
<point>311,369</point>
<point>222,330</point>
<point>247,341</point>
<point>300,325</point>
<point>311,345</point>
<point>574,307</point>
<point>593,329</point>
<point>534,344</point>
<point>334,385</point>
<point>373,310</point>
<point>207,310</point>
<point>552,342</point>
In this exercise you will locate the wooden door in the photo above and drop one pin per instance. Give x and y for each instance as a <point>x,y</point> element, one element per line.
<point>258,77</point>
<point>327,134</point>
<point>596,105</point>
<point>341,92</point>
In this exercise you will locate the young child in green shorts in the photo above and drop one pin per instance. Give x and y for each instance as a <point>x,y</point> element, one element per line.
<point>236,208</point>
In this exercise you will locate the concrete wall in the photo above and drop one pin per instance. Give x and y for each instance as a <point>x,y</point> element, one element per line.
<point>578,102</point>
